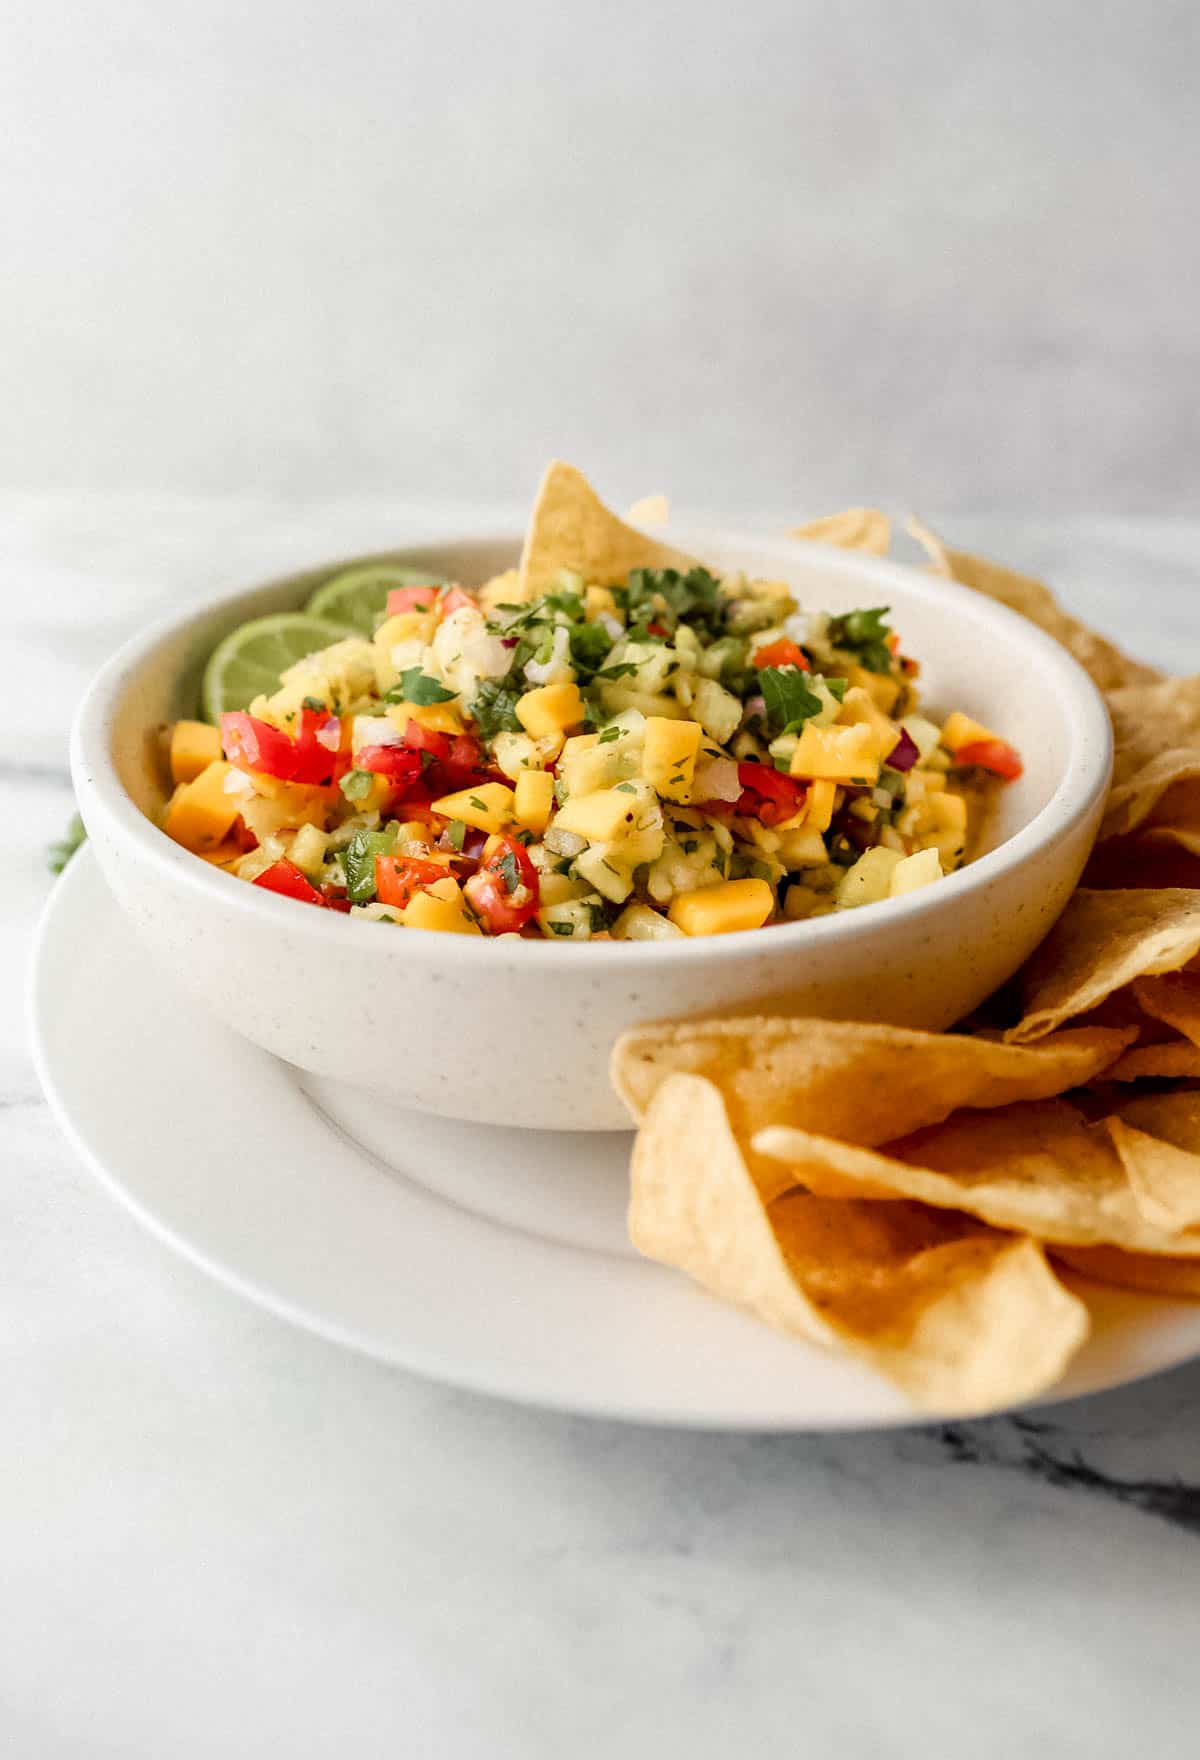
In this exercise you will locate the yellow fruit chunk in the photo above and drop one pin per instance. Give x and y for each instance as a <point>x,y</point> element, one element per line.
<point>436,717</point>
<point>602,816</point>
<point>837,754</point>
<point>533,799</point>
<point>308,851</point>
<point>598,602</point>
<point>489,807</point>
<point>551,708</point>
<point>201,812</point>
<point>194,746</point>
<point>440,907</point>
<point>959,730</point>
<point>502,589</point>
<point>669,756</point>
<point>716,910</point>
<point>819,805</point>
<point>225,855</point>
<point>914,872</point>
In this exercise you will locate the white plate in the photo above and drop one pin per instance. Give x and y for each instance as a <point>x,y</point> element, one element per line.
<point>495,1260</point>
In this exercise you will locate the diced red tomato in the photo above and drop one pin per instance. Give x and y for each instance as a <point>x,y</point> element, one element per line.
<point>415,598</point>
<point>503,892</point>
<point>657,629</point>
<point>398,877</point>
<point>767,794</point>
<point>318,743</point>
<point>398,763</point>
<point>994,755</point>
<point>781,653</point>
<point>313,757</point>
<point>425,739</point>
<point>286,879</point>
<point>252,744</point>
<point>454,600</point>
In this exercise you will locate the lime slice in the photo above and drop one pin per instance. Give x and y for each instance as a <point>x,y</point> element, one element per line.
<point>250,659</point>
<point>358,597</point>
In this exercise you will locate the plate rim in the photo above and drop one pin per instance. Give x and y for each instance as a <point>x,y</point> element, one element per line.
<point>892,1413</point>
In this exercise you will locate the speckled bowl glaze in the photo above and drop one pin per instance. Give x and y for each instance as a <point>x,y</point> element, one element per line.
<point>519,1033</point>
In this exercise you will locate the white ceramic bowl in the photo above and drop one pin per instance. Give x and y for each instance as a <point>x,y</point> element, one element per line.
<point>520,1032</point>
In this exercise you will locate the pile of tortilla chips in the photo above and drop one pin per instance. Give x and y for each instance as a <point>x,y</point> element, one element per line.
<point>911,1198</point>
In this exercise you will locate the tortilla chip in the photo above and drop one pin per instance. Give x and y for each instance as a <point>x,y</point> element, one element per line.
<point>963,1319</point>
<point>1173,1060</point>
<point>570,527</point>
<point>1037,1167</point>
<point>854,528</point>
<point>1103,941</point>
<point>651,510</point>
<point>862,1083</point>
<point>1156,739</point>
<point>1109,667</point>
<point>1174,1000</point>
<point>1154,1275</point>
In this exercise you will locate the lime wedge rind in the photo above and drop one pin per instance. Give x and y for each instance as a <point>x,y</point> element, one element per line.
<point>248,662</point>
<point>357,597</point>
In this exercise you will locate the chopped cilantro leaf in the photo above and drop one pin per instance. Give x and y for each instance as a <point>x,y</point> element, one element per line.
<point>606,738</point>
<point>313,703</point>
<point>60,853</point>
<point>625,788</point>
<point>622,669</point>
<point>509,871</point>
<point>590,642</point>
<point>789,701</point>
<point>495,707</point>
<point>417,687</point>
<point>456,831</point>
<point>562,928</point>
<point>668,597</point>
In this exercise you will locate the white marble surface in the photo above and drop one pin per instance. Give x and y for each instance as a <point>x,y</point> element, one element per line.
<point>220,1536</point>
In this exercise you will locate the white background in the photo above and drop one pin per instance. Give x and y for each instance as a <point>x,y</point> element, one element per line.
<point>768,254</point>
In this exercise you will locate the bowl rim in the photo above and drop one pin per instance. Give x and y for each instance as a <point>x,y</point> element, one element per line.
<point>1083,783</point>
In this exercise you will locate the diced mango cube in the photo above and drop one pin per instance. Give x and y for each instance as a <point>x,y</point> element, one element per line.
<point>442,907</point>
<point>604,815</point>
<point>201,812</point>
<point>551,708</point>
<point>533,799</point>
<point>819,805</point>
<point>837,754</point>
<point>669,756</point>
<point>488,806</point>
<point>716,910</point>
<point>502,589</point>
<point>883,689</point>
<point>194,746</point>
<point>599,602</point>
<point>959,730</point>
<point>436,717</point>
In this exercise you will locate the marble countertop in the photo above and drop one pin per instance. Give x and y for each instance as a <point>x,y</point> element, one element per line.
<point>220,1535</point>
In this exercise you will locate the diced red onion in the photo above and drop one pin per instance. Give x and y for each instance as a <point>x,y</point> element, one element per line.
<point>509,641</point>
<point>904,753</point>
